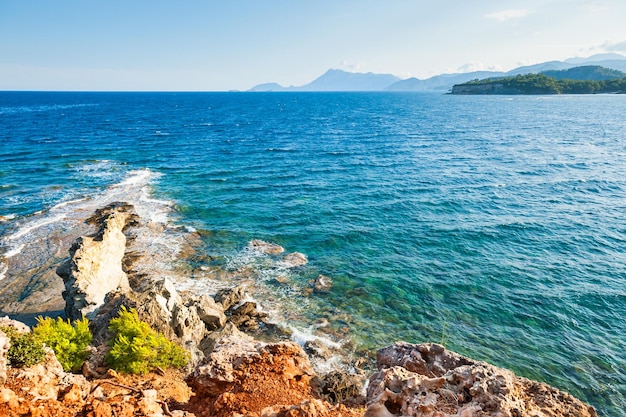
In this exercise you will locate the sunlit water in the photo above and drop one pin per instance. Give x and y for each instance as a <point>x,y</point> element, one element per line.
<point>496,225</point>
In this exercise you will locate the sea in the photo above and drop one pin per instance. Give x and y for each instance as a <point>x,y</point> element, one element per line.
<point>495,225</point>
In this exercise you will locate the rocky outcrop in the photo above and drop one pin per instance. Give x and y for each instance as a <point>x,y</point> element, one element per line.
<point>427,380</point>
<point>185,318</point>
<point>244,376</point>
<point>94,268</point>
<point>5,344</point>
<point>241,310</point>
<point>48,380</point>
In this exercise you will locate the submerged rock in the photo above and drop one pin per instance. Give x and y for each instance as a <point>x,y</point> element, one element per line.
<point>95,265</point>
<point>266,248</point>
<point>292,260</point>
<point>428,380</point>
<point>322,284</point>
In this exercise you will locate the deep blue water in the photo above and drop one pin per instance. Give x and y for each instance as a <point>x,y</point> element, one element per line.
<point>494,224</point>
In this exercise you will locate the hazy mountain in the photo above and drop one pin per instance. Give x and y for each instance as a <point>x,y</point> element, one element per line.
<point>594,58</point>
<point>587,73</point>
<point>440,82</point>
<point>268,87</point>
<point>338,80</point>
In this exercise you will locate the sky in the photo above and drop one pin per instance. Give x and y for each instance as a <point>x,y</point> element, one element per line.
<point>210,45</point>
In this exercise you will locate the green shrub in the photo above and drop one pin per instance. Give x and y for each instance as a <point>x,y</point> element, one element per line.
<point>26,350</point>
<point>136,348</point>
<point>68,341</point>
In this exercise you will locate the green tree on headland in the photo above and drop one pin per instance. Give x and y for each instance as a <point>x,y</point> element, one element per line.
<point>540,84</point>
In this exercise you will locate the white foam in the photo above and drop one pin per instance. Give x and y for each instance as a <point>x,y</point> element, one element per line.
<point>303,336</point>
<point>3,270</point>
<point>14,251</point>
<point>32,226</point>
<point>8,217</point>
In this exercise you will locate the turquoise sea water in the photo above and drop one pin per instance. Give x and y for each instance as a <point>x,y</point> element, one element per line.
<point>496,225</point>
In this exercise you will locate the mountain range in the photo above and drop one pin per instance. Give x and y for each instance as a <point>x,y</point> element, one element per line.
<point>339,80</point>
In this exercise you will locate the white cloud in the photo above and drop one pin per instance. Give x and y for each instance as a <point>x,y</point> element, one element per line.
<point>614,46</point>
<point>477,66</point>
<point>348,66</point>
<point>505,15</point>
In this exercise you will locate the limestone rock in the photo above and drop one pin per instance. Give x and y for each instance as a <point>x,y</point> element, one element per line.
<point>428,380</point>
<point>95,265</point>
<point>242,374</point>
<point>207,345</point>
<point>210,312</point>
<point>184,318</point>
<point>265,247</point>
<point>47,380</point>
<point>5,344</point>
<point>230,297</point>
<point>292,260</point>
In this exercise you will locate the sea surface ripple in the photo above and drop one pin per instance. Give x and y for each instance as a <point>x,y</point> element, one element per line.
<point>495,225</point>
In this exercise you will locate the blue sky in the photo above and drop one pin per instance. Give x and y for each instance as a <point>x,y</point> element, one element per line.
<point>236,44</point>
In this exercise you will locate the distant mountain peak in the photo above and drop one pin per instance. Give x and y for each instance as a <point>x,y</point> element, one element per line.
<point>335,79</point>
<point>609,56</point>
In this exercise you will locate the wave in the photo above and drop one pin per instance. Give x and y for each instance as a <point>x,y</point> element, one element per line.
<point>42,108</point>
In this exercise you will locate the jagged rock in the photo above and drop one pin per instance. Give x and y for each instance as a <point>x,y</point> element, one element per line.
<point>428,380</point>
<point>322,283</point>
<point>5,344</point>
<point>292,260</point>
<point>230,297</point>
<point>229,330</point>
<point>339,386</point>
<point>210,312</point>
<point>95,265</point>
<point>47,380</point>
<point>94,366</point>
<point>318,349</point>
<point>266,248</point>
<point>185,318</point>
<point>244,374</point>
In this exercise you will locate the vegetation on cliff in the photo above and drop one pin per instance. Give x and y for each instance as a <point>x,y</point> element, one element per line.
<point>591,80</point>
<point>137,349</point>
<point>69,341</point>
<point>26,349</point>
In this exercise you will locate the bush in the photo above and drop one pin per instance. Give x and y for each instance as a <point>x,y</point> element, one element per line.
<point>26,350</point>
<point>68,341</point>
<point>136,348</point>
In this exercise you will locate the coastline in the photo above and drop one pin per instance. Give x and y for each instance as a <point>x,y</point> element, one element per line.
<point>231,372</point>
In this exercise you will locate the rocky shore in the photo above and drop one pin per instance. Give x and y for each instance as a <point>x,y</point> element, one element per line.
<point>231,371</point>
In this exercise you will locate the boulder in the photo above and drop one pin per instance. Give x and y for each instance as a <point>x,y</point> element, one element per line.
<point>230,297</point>
<point>266,248</point>
<point>428,380</point>
<point>94,267</point>
<point>322,284</point>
